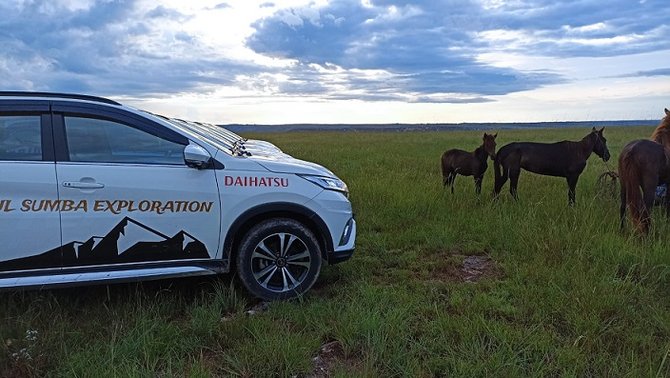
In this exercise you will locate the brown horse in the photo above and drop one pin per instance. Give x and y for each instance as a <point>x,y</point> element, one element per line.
<point>643,165</point>
<point>562,159</point>
<point>468,163</point>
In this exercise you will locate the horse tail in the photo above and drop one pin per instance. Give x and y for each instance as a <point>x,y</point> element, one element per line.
<point>497,184</point>
<point>496,169</point>
<point>445,168</point>
<point>631,192</point>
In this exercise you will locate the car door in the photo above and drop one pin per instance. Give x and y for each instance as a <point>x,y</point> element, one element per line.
<point>127,195</point>
<point>29,223</point>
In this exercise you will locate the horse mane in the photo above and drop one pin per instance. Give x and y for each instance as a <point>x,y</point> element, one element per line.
<point>661,134</point>
<point>479,151</point>
<point>589,138</point>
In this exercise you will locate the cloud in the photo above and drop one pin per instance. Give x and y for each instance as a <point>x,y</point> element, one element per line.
<point>163,12</point>
<point>221,6</point>
<point>425,48</point>
<point>430,48</point>
<point>453,100</point>
<point>649,73</point>
<point>375,50</point>
<point>108,48</point>
<point>585,28</point>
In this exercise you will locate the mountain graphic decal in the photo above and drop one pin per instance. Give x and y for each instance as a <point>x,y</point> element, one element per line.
<point>128,241</point>
<point>132,232</point>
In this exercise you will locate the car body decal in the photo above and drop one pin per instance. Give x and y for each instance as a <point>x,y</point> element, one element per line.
<point>128,241</point>
<point>112,206</point>
<point>274,182</point>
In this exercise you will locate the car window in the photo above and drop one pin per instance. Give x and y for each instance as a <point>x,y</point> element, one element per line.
<point>20,138</point>
<point>97,140</point>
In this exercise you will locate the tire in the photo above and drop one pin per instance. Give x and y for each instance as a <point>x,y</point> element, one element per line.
<point>271,272</point>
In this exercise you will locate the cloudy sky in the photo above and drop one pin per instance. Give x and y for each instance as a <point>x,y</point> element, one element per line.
<point>348,61</point>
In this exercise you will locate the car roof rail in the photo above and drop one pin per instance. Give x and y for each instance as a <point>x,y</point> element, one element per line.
<point>59,95</point>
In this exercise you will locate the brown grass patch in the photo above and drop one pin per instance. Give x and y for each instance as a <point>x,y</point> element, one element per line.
<point>457,267</point>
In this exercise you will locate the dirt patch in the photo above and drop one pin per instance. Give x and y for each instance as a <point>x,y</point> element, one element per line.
<point>477,267</point>
<point>331,354</point>
<point>465,268</point>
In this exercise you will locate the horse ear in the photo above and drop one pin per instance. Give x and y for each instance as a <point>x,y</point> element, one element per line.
<point>484,137</point>
<point>593,128</point>
<point>601,130</point>
<point>667,112</point>
<point>495,135</point>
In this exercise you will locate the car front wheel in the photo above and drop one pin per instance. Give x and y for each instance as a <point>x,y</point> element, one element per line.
<point>279,259</point>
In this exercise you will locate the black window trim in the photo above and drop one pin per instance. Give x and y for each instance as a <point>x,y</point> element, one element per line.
<point>74,96</point>
<point>24,106</point>
<point>48,145</point>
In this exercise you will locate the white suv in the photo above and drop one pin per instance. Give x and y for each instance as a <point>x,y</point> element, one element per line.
<point>92,191</point>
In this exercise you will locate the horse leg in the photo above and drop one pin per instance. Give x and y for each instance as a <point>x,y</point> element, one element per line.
<point>665,200</point>
<point>446,173</point>
<point>452,180</point>
<point>500,177</point>
<point>514,173</point>
<point>649,184</point>
<point>648,197</point>
<point>572,184</point>
<point>478,184</point>
<point>448,177</point>
<point>622,208</point>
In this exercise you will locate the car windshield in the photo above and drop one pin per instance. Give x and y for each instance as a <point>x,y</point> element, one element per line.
<point>218,136</point>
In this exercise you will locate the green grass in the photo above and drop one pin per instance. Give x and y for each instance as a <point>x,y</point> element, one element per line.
<point>568,294</point>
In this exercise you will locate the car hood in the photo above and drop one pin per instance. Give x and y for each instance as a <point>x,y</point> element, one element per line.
<point>260,147</point>
<point>283,163</point>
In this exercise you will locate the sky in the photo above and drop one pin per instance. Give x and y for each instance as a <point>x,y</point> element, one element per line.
<point>348,61</point>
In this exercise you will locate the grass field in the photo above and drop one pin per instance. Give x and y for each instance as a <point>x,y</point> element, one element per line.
<point>440,285</point>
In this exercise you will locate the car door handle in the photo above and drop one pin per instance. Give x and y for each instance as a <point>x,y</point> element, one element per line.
<point>83,185</point>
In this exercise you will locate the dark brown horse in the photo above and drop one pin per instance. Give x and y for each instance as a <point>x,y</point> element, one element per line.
<point>562,159</point>
<point>643,165</point>
<point>468,163</point>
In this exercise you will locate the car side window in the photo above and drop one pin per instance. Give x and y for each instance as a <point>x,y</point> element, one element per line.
<point>103,141</point>
<point>20,138</point>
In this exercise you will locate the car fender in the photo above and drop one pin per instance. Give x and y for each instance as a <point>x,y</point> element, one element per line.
<point>251,216</point>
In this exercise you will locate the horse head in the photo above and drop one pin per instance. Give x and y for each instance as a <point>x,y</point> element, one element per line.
<point>599,144</point>
<point>490,144</point>
<point>662,132</point>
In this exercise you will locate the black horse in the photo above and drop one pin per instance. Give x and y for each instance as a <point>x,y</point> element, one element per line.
<point>468,163</point>
<point>562,159</point>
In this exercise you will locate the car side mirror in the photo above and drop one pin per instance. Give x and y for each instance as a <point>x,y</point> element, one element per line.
<point>196,156</point>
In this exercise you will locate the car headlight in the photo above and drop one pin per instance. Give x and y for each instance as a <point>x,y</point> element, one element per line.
<point>330,183</point>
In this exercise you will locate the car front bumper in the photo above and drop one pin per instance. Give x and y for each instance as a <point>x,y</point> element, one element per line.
<point>346,248</point>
